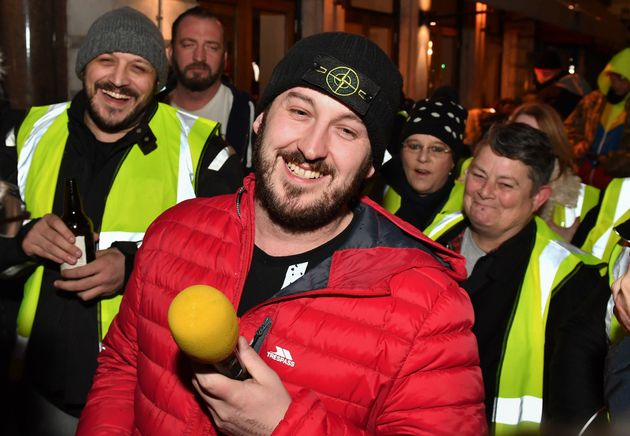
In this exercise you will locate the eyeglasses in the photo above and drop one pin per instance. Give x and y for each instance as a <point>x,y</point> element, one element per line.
<point>435,150</point>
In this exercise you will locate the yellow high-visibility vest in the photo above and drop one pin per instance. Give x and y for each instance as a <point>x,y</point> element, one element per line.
<point>614,207</point>
<point>519,402</point>
<point>143,187</point>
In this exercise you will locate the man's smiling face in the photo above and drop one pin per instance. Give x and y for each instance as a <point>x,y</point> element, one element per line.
<point>119,87</point>
<point>311,158</point>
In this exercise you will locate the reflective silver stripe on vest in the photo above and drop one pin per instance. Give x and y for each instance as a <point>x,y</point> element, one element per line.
<point>186,175</point>
<point>610,306</point>
<point>623,204</point>
<point>446,221</point>
<point>19,349</point>
<point>511,411</point>
<point>580,200</point>
<point>622,263</point>
<point>106,239</point>
<point>549,263</point>
<point>572,213</point>
<point>30,145</point>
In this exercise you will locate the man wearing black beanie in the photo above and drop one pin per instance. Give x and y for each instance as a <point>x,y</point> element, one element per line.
<point>355,319</point>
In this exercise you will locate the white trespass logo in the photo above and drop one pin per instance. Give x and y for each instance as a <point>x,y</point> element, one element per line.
<point>281,355</point>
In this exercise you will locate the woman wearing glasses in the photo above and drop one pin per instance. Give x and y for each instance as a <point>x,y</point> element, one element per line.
<point>421,180</point>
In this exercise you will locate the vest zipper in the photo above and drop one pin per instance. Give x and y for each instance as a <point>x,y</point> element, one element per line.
<point>109,188</point>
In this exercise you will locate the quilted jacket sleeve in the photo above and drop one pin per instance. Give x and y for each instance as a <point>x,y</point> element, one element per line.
<point>439,388</point>
<point>110,404</point>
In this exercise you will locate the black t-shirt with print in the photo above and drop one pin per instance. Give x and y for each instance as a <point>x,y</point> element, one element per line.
<point>270,274</point>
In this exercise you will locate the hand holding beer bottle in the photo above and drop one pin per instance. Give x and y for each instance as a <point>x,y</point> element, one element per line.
<point>69,239</point>
<point>79,223</point>
<point>95,274</point>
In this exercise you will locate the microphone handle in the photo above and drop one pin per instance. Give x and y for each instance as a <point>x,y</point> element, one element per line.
<point>231,367</point>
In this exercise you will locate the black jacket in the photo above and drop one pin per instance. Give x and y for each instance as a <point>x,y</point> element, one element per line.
<point>494,287</point>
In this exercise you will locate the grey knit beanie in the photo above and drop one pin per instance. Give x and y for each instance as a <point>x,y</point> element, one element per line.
<point>349,68</point>
<point>124,30</point>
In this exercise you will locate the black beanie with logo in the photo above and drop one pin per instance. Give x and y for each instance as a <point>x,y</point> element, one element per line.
<point>349,68</point>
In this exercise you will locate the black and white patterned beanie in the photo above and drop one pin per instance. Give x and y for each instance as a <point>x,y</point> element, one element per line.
<point>442,118</point>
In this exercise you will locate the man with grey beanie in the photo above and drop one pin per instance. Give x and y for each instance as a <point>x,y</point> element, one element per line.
<point>356,322</point>
<point>132,158</point>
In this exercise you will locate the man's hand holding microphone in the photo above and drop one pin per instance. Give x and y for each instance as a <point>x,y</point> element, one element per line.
<point>241,392</point>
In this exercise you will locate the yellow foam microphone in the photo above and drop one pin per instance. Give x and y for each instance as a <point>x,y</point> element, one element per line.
<point>205,327</point>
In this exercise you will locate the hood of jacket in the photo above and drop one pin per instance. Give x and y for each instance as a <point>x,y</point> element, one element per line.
<point>620,64</point>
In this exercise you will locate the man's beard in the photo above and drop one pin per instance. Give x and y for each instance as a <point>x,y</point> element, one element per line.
<point>198,82</point>
<point>130,120</point>
<point>287,212</point>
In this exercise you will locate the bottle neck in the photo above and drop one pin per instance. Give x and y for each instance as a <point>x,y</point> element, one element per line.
<point>72,204</point>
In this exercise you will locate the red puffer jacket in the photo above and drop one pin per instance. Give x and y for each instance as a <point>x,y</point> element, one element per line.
<point>378,337</point>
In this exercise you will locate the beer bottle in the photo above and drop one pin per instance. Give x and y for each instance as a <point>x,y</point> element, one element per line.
<point>79,223</point>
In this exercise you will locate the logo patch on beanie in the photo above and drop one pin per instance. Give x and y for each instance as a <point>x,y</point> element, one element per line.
<point>344,83</point>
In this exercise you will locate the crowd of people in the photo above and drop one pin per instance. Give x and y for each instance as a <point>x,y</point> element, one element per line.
<point>449,288</point>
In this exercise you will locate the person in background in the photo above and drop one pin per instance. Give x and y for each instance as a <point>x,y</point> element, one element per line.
<point>597,235</point>
<point>570,199</point>
<point>523,281</point>
<point>374,330</point>
<point>11,293</point>
<point>599,127</point>
<point>617,372</point>
<point>481,119</point>
<point>555,86</point>
<point>198,56</point>
<point>590,377</point>
<point>132,159</point>
<point>421,180</point>
<point>9,118</point>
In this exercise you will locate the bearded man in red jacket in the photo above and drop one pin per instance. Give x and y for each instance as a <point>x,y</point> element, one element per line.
<point>373,331</point>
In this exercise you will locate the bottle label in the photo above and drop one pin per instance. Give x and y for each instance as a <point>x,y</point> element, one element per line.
<point>80,244</point>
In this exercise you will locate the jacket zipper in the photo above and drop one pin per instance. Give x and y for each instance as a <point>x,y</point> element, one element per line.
<point>261,334</point>
<point>239,194</point>
<point>247,246</point>
<point>601,143</point>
